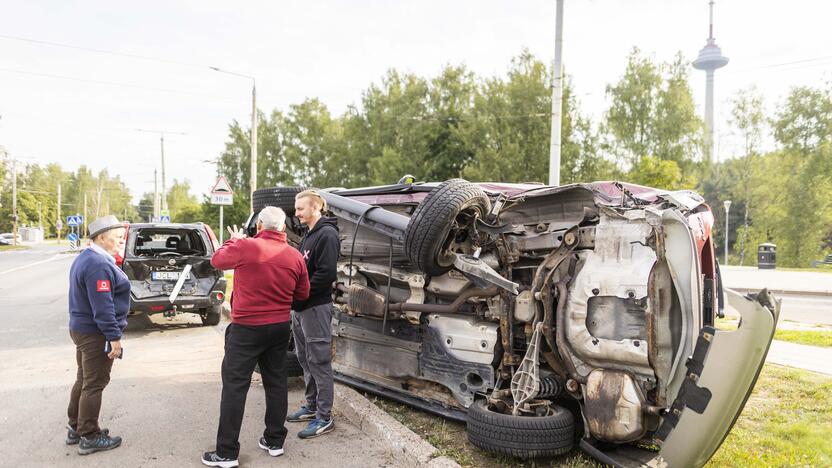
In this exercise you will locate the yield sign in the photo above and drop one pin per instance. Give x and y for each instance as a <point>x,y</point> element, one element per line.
<point>222,187</point>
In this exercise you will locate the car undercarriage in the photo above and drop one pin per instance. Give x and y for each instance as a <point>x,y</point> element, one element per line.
<point>544,317</point>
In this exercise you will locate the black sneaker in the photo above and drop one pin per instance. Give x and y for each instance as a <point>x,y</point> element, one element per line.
<point>73,437</point>
<point>98,443</point>
<point>273,450</point>
<point>212,459</point>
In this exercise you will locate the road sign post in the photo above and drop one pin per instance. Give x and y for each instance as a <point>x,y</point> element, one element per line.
<point>221,194</point>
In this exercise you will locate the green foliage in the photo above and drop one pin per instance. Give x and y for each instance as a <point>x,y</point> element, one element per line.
<point>183,207</point>
<point>652,112</point>
<point>663,174</point>
<point>37,197</point>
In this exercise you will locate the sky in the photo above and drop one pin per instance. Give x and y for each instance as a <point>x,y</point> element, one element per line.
<point>74,106</point>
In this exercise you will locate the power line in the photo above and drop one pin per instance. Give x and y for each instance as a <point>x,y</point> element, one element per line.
<point>101,51</point>
<point>113,83</point>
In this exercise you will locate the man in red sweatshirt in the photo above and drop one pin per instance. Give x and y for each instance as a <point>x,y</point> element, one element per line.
<point>268,276</point>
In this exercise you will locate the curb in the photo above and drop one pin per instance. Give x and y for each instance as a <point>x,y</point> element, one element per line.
<point>784,292</point>
<point>405,444</point>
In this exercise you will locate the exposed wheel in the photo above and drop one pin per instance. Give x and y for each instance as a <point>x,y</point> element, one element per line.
<point>521,436</point>
<point>442,224</point>
<point>213,316</point>
<point>283,198</point>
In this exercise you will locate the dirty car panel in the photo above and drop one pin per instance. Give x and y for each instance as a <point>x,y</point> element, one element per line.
<point>595,297</point>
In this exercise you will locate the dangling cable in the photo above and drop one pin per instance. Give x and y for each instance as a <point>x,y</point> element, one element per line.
<point>355,236</point>
<point>387,296</point>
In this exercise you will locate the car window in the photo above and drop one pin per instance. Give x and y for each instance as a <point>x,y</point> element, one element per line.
<point>152,242</point>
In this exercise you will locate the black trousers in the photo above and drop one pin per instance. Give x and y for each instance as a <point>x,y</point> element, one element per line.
<point>246,346</point>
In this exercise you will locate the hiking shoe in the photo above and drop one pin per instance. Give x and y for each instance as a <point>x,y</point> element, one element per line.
<point>317,427</point>
<point>212,459</point>
<point>99,443</point>
<point>301,415</point>
<point>273,450</point>
<point>73,437</point>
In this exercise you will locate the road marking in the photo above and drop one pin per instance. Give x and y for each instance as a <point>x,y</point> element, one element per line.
<point>30,264</point>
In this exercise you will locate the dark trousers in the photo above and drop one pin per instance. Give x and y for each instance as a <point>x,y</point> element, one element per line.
<point>246,346</point>
<point>93,375</point>
<point>313,345</point>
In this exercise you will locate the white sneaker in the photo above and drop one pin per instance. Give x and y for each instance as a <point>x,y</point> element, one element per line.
<point>273,450</point>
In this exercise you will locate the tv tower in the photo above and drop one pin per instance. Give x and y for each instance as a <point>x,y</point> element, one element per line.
<point>710,58</point>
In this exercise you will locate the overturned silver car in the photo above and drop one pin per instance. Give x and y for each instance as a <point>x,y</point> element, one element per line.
<point>545,317</point>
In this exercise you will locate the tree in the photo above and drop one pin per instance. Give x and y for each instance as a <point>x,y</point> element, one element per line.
<point>183,207</point>
<point>805,121</point>
<point>510,130</point>
<point>748,119</point>
<point>653,115</point>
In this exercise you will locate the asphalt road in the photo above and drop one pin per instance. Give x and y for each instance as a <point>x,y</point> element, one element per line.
<point>806,309</point>
<point>163,397</point>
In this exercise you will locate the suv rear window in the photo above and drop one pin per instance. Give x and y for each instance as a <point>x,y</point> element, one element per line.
<point>151,242</point>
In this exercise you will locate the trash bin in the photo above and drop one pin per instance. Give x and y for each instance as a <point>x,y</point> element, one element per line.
<point>766,256</point>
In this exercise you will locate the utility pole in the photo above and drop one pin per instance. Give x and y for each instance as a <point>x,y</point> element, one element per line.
<point>60,223</point>
<point>84,221</point>
<point>14,202</point>
<point>164,202</point>
<point>253,144</point>
<point>164,187</point>
<point>155,196</point>
<point>727,204</point>
<point>557,99</point>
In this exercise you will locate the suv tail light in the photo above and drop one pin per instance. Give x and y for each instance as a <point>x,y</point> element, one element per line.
<point>213,238</point>
<point>120,255</point>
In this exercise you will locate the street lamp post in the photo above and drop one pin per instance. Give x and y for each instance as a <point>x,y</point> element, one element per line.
<point>727,204</point>
<point>253,175</point>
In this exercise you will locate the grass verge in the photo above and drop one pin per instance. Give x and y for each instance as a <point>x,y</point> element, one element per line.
<point>787,421</point>
<point>4,248</point>
<point>806,337</point>
<point>450,438</point>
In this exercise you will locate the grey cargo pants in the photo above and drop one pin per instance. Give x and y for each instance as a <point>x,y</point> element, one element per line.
<point>313,338</point>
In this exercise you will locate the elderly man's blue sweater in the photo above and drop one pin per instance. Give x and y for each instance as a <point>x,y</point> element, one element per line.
<point>99,296</point>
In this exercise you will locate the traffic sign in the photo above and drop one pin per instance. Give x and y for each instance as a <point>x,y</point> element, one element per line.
<point>221,186</point>
<point>76,220</point>
<point>221,193</point>
<point>72,237</point>
<point>164,219</point>
<point>222,199</point>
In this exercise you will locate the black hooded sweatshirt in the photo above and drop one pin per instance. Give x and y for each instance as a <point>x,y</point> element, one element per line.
<point>320,248</point>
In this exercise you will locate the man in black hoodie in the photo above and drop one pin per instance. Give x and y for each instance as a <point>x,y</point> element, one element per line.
<point>311,318</point>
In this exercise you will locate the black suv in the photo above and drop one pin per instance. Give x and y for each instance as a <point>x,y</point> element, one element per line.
<point>170,272</point>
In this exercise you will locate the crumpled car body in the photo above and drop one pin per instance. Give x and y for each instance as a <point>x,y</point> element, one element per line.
<point>494,300</point>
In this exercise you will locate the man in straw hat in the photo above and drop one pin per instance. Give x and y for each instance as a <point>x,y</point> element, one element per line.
<point>99,299</point>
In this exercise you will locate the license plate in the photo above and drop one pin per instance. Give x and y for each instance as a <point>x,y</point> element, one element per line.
<point>166,275</point>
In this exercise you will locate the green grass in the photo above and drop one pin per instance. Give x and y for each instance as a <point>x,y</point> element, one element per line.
<point>230,278</point>
<point>806,337</point>
<point>13,247</point>
<point>786,422</point>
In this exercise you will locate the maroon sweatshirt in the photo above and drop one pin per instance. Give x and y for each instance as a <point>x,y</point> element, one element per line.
<point>268,276</point>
